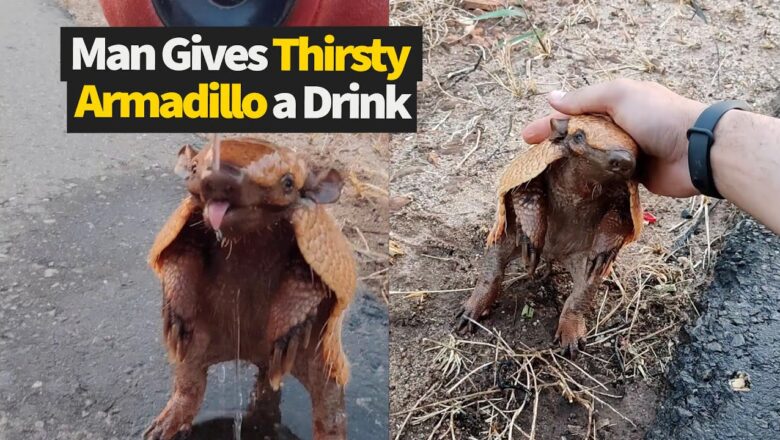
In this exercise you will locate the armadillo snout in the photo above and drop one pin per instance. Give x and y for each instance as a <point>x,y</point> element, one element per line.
<point>220,185</point>
<point>621,162</point>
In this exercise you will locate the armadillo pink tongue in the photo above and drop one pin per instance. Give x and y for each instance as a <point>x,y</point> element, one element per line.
<point>215,212</point>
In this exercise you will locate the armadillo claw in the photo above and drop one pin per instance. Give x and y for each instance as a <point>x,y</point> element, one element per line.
<point>597,266</point>
<point>478,305</point>
<point>165,427</point>
<point>571,349</point>
<point>466,318</point>
<point>545,272</point>
<point>571,335</point>
<point>285,350</point>
<point>464,323</point>
<point>529,252</point>
<point>306,334</point>
<point>275,368</point>
<point>532,260</point>
<point>178,336</point>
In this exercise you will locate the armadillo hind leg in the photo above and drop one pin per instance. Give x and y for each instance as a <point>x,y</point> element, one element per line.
<point>265,401</point>
<point>572,326</point>
<point>491,276</point>
<point>189,387</point>
<point>316,375</point>
<point>588,270</point>
<point>530,204</point>
<point>329,416</point>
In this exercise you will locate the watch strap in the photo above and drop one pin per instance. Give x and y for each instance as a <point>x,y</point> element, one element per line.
<point>700,140</point>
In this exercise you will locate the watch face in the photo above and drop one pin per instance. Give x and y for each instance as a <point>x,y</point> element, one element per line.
<point>223,12</point>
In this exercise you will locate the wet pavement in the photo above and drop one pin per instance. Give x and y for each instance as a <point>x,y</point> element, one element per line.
<point>725,380</point>
<point>80,350</point>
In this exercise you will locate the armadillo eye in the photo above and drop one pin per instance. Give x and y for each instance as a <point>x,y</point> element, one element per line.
<point>287,182</point>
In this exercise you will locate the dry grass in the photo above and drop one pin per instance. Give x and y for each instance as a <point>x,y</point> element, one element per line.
<point>499,381</point>
<point>515,380</point>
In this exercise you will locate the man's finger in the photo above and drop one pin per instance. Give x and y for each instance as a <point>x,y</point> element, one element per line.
<point>598,98</point>
<point>539,130</point>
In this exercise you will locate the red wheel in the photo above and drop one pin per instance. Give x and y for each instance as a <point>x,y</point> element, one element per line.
<point>246,12</point>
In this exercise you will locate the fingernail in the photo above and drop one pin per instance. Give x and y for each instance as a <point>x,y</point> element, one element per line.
<point>557,95</point>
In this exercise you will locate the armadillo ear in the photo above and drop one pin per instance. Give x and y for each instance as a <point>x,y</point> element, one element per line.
<point>559,128</point>
<point>323,187</point>
<point>182,167</point>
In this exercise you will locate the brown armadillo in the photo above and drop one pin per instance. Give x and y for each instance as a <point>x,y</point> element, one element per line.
<point>254,268</point>
<point>572,198</point>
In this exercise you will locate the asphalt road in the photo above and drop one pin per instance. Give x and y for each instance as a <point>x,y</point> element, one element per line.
<point>80,353</point>
<point>736,337</point>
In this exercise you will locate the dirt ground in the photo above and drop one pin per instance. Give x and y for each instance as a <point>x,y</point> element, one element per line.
<point>476,95</point>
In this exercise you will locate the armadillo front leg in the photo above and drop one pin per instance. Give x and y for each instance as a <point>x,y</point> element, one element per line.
<point>291,318</point>
<point>587,272</point>
<point>298,320</point>
<point>181,274</point>
<point>530,204</point>
<point>610,235</point>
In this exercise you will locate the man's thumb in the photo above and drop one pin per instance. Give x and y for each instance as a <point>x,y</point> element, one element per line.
<point>556,96</point>
<point>591,99</point>
<point>566,102</point>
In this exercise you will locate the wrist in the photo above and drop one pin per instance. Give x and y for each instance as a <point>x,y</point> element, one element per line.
<point>724,154</point>
<point>745,160</point>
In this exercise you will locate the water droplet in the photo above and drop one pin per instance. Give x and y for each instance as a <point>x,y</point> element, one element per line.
<point>239,416</point>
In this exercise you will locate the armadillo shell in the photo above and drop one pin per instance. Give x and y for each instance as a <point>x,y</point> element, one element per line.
<point>169,232</point>
<point>636,212</point>
<point>531,163</point>
<point>324,248</point>
<point>329,254</point>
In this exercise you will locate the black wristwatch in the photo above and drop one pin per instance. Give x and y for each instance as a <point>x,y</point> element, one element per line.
<point>700,140</point>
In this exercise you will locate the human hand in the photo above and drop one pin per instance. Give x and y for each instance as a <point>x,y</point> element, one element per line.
<point>653,115</point>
